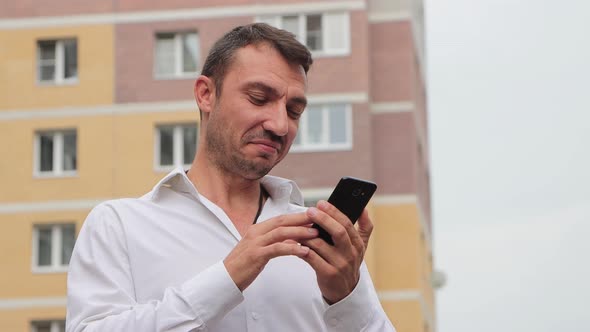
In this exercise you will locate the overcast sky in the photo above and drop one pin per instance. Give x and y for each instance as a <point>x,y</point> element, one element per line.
<point>509,103</point>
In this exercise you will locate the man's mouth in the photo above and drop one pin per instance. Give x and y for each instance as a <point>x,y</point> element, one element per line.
<point>267,145</point>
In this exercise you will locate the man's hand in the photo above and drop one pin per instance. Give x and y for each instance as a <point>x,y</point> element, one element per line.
<point>278,236</point>
<point>337,267</point>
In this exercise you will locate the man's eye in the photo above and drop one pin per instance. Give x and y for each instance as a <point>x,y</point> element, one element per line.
<point>257,101</point>
<point>294,114</point>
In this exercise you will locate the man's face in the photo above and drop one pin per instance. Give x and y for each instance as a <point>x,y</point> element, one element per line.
<point>255,120</point>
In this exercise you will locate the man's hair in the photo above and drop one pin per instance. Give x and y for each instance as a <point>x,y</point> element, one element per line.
<point>221,55</point>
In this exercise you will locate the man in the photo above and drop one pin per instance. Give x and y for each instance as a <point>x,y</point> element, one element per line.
<point>224,247</point>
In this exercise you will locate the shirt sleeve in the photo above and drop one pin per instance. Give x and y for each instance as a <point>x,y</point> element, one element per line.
<point>101,292</point>
<point>359,311</point>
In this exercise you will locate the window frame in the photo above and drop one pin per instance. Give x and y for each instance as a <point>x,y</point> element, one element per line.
<point>179,72</point>
<point>54,324</point>
<point>58,154</point>
<point>315,194</point>
<point>177,145</point>
<point>326,51</point>
<point>56,237</point>
<point>59,63</point>
<point>325,146</point>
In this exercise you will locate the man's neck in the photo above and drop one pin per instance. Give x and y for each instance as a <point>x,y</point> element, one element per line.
<point>222,188</point>
<point>237,196</point>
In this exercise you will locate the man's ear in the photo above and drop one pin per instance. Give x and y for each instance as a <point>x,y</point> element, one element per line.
<point>205,93</point>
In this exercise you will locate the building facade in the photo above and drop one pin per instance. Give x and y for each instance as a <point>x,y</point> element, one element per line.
<point>96,103</point>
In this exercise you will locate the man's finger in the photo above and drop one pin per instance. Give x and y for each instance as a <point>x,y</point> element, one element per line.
<point>338,232</point>
<point>332,211</point>
<point>283,233</point>
<point>284,249</point>
<point>317,262</point>
<point>294,219</point>
<point>327,252</point>
<point>365,227</point>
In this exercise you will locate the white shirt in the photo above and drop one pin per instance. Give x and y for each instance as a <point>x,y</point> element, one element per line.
<point>156,264</point>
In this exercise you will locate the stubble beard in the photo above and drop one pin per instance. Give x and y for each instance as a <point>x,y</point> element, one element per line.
<point>229,159</point>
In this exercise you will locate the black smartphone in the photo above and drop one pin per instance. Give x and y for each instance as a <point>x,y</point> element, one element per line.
<point>350,196</point>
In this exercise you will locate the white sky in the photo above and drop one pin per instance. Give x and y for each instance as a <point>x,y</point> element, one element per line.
<point>509,94</point>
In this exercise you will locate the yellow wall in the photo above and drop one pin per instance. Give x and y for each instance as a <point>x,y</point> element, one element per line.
<point>95,155</point>
<point>20,320</point>
<point>16,251</point>
<point>115,157</point>
<point>370,254</point>
<point>134,174</point>
<point>406,316</point>
<point>18,68</point>
<point>397,243</point>
<point>401,263</point>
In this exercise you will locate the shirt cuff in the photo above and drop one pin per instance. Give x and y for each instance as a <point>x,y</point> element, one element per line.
<point>353,312</point>
<point>212,293</point>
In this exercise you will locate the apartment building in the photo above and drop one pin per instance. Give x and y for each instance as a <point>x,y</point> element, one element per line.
<point>96,103</point>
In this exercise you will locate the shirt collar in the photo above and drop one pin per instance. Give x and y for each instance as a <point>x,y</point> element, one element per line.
<point>175,180</point>
<point>282,189</point>
<point>278,188</point>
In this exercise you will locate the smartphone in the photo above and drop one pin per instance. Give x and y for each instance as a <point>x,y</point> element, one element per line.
<point>350,196</point>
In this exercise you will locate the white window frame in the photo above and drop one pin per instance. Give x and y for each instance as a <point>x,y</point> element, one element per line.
<point>53,327</point>
<point>326,51</point>
<point>179,72</point>
<point>57,265</point>
<point>60,61</point>
<point>177,146</point>
<point>326,146</point>
<point>316,194</point>
<point>58,152</point>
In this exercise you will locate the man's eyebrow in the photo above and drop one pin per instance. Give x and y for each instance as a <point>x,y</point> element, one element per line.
<point>263,87</point>
<point>298,100</point>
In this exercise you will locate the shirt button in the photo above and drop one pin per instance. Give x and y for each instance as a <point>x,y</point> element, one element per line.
<point>255,315</point>
<point>334,321</point>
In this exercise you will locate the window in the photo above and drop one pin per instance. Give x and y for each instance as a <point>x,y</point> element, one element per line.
<point>313,195</point>
<point>175,145</point>
<point>52,247</point>
<point>323,34</point>
<point>176,55</point>
<point>57,61</point>
<point>48,326</point>
<point>56,153</point>
<point>311,202</point>
<point>324,128</point>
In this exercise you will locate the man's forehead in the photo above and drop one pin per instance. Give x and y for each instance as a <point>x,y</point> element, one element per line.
<point>264,54</point>
<point>266,69</point>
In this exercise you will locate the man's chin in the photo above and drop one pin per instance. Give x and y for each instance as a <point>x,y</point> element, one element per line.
<point>256,174</point>
<point>258,168</point>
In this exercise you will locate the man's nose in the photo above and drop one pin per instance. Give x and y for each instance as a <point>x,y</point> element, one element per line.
<point>277,121</point>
